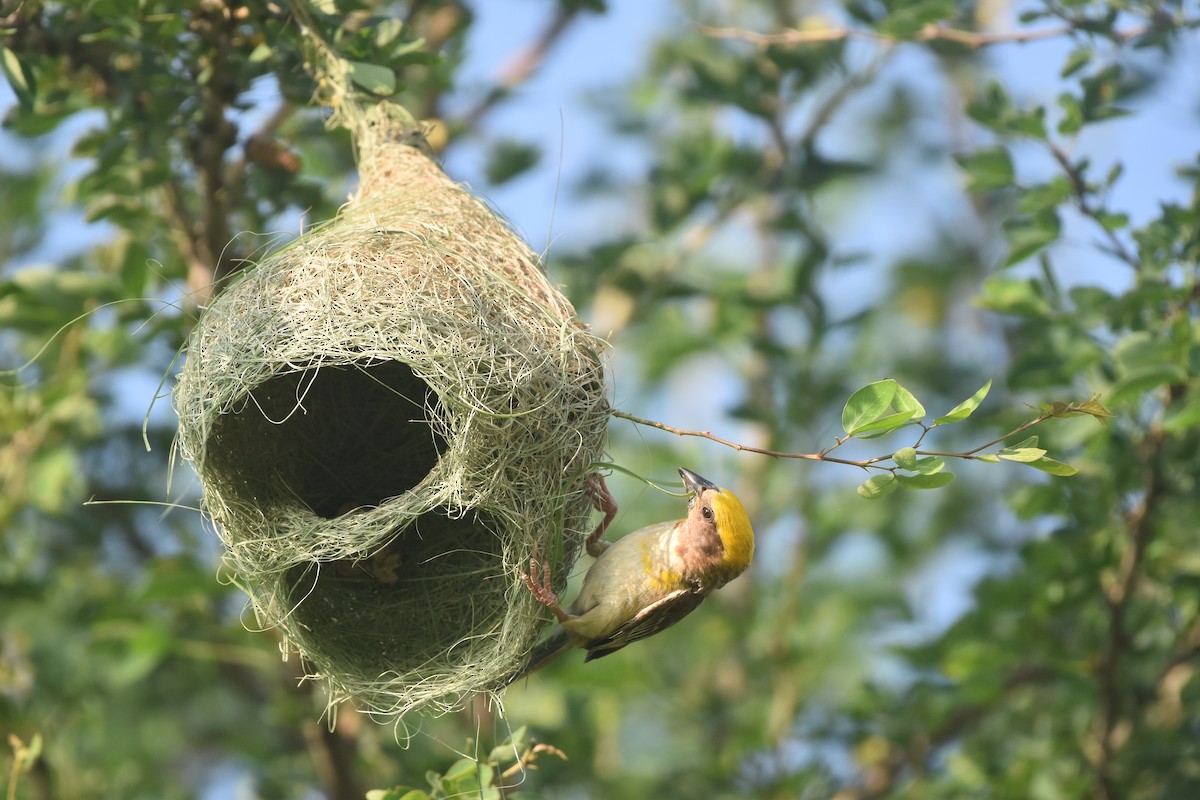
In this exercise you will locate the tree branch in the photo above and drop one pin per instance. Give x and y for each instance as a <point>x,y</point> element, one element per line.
<point>214,134</point>
<point>1106,736</point>
<point>824,455</point>
<point>930,33</point>
<point>522,65</point>
<point>1079,190</point>
<point>333,748</point>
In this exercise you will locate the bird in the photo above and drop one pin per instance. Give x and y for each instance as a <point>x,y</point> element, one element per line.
<point>647,580</point>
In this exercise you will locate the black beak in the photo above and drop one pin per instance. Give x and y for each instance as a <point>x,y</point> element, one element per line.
<point>693,482</point>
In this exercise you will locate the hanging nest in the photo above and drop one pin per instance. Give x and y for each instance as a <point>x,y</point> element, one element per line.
<point>387,417</point>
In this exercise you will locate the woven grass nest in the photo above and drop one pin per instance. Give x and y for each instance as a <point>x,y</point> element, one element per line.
<point>387,417</point>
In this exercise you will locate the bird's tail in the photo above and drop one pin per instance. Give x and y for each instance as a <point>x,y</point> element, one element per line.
<point>544,653</point>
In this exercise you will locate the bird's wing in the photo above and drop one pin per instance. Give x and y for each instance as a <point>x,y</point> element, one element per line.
<point>659,615</point>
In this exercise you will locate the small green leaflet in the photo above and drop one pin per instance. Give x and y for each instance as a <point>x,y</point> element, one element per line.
<point>1053,467</point>
<point>930,465</point>
<point>934,481</point>
<point>372,77</point>
<point>867,404</point>
<point>878,486</point>
<point>883,425</point>
<point>987,169</point>
<point>878,408</point>
<point>965,408</point>
<point>1023,454</point>
<point>906,458</point>
<point>20,78</point>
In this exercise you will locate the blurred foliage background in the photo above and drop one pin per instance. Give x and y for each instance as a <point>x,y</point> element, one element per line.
<point>793,199</point>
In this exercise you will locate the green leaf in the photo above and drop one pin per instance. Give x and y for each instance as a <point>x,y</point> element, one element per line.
<point>1022,454</point>
<point>991,106</point>
<point>905,401</point>
<point>878,486</point>
<point>987,169</point>
<point>934,481</point>
<point>461,768</point>
<point>990,458</point>
<point>1138,382</point>
<point>510,748</point>
<point>1028,235</point>
<point>1037,199</point>
<point>867,404</point>
<point>1031,441</point>
<point>966,407</point>
<point>508,159</point>
<point>1072,119</point>
<point>1016,296</point>
<point>397,793</point>
<point>886,424</point>
<point>1114,174</point>
<point>1093,408</point>
<point>1053,467</point>
<point>1183,417</point>
<point>1112,221</point>
<point>930,465</point>
<point>1080,57</point>
<point>372,77</point>
<point>53,474</point>
<point>20,78</point>
<point>262,52</point>
<point>909,18</point>
<point>906,458</point>
<point>387,31</point>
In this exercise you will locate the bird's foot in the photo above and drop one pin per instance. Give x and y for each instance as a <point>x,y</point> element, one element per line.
<point>603,500</point>
<point>538,581</point>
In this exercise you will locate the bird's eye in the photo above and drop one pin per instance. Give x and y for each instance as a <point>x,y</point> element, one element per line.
<point>707,512</point>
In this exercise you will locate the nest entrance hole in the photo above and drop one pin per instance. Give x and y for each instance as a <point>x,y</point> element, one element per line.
<point>336,438</point>
<point>407,605</point>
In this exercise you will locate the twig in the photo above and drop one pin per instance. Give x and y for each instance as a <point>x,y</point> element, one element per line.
<point>967,454</point>
<point>929,33</point>
<point>824,455</point>
<point>825,111</point>
<point>523,64</point>
<point>1080,192</point>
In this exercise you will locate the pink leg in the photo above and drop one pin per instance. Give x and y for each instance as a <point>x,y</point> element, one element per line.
<point>542,588</point>
<point>603,500</point>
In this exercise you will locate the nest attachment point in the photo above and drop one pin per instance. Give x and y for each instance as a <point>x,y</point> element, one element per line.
<point>387,417</point>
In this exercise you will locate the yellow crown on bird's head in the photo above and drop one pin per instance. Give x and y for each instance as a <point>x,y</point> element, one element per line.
<point>733,523</point>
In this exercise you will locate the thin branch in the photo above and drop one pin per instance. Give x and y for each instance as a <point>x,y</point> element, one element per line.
<point>1079,190</point>
<point>930,33</point>
<point>830,106</point>
<point>824,455</point>
<point>970,454</point>
<point>523,64</point>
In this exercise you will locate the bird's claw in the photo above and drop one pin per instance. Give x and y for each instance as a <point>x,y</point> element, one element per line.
<point>603,500</point>
<point>541,586</point>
